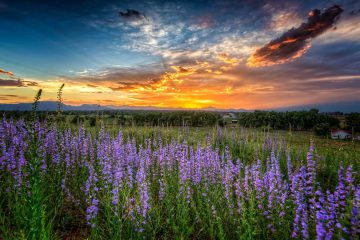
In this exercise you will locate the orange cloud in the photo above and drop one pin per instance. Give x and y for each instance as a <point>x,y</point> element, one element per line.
<point>176,79</point>
<point>183,70</point>
<point>266,56</point>
<point>6,73</point>
<point>228,60</point>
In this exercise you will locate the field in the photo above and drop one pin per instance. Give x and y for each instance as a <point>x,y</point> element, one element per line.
<point>61,181</point>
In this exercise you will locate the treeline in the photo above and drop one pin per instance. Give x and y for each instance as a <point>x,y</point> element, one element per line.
<point>129,117</point>
<point>353,122</point>
<point>177,118</point>
<point>162,118</point>
<point>297,120</point>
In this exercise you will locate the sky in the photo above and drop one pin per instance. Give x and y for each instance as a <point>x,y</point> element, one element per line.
<point>243,54</point>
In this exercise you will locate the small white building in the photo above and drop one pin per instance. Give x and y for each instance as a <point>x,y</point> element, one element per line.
<point>340,134</point>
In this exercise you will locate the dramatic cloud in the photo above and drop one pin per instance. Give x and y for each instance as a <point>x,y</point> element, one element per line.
<point>159,77</point>
<point>295,42</point>
<point>132,15</point>
<point>182,53</point>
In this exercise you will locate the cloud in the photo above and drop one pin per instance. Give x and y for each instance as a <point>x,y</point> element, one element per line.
<point>295,42</point>
<point>197,57</point>
<point>117,73</point>
<point>203,22</point>
<point>6,73</point>
<point>178,35</point>
<point>10,83</point>
<point>177,71</point>
<point>183,70</point>
<point>132,15</point>
<point>16,83</point>
<point>118,78</point>
<point>91,85</point>
<point>7,97</point>
<point>29,83</point>
<point>128,86</point>
<point>355,12</point>
<point>348,30</point>
<point>283,19</point>
<point>224,57</point>
<point>13,81</point>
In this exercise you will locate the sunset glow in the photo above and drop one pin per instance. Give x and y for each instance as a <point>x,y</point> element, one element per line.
<point>180,54</point>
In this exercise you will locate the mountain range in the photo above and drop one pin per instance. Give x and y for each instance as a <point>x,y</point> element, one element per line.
<point>345,107</point>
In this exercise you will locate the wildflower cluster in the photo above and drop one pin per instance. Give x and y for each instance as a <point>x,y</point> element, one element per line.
<point>164,187</point>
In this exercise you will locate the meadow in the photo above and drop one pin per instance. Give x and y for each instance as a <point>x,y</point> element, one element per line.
<point>61,181</point>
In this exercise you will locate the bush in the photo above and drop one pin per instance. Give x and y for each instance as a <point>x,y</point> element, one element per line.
<point>92,122</point>
<point>322,129</point>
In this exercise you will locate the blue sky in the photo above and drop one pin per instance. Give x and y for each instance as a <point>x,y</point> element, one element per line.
<point>179,53</point>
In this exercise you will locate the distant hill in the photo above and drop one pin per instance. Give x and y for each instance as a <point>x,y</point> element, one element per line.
<point>50,106</point>
<point>345,107</point>
<point>210,109</point>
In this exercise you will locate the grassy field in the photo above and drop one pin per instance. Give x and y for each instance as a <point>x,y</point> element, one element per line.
<point>76,182</point>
